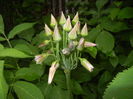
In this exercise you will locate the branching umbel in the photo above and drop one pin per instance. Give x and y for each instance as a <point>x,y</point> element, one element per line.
<point>67,41</point>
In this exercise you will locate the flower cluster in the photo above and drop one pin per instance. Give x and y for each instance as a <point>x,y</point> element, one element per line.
<point>67,42</point>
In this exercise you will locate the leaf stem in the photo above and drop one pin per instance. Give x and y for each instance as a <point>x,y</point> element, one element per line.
<point>7,40</point>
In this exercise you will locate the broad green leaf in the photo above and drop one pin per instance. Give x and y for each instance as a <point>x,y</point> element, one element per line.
<point>1,47</point>
<point>100,3</point>
<point>126,13</point>
<point>114,61</point>
<point>28,34</point>
<point>76,87</point>
<point>19,28</point>
<point>3,84</point>
<point>52,91</point>
<point>11,52</point>
<point>93,33</point>
<point>92,51</point>
<point>114,12</point>
<point>27,48</point>
<point>121,87</point>
<point>113,26</point>
<point>26,90</point>
<point>31,73</point>
<point>1,25</point>
<point>2,39</point>
<point>105,42</point>
<point>129,60</point>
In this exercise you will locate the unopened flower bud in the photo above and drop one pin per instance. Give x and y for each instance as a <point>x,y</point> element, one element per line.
<point>56,34</point>
<point>85,63</point>
<point>89,44</point>
<point>84,31</point>
<point>76,18</point>
<point>48,30</point>
<point>81,44</point>
<point>52,71</point>
<point>40,58</point>
<point>71,45</point>
<point>62,19</point>
<point>73,33</point>
<point>44,43</point>
<point>53,21</point>
<point>67,26</point>
<point>66,51</point>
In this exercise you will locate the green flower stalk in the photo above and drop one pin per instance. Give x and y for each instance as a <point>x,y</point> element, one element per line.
<point>53,22</point>
<point>48,31</point>
<point>62,19</point>
<point>76,18</point>
<point>85,63</point>
<point>56,34</point>
<point>84,31</point>
<point>52,71</point>
<point>67,26</point>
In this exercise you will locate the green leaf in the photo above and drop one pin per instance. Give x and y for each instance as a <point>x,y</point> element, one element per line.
<point>27,48</point>
<point>114,12</point>
<point>3,84</point>
<point>76,88</point>
<point>19,28</point>
<point>126,13</point>
<point>105,42</point>
<point>28,74</point>
<point>114,61</point>
<point>113,26</point>
<point>11,52</point>
<point>1,24</point>
<point>100,3</point>
<point>92,51</point>
<point>129,60</point>
<point>121,87</point>
<point>26,90</point>
<point>1,47</point>
<point>2,39</point>
<point>93,33</point>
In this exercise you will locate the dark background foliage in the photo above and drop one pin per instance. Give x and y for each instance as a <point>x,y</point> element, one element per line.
<point>110,26</point>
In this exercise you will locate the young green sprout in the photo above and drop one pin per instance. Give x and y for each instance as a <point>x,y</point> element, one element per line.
<point>66,44</point>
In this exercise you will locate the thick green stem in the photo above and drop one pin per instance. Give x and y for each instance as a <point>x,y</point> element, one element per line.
<point>67,74</point>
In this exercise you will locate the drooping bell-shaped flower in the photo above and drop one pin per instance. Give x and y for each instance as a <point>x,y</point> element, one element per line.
<point>62,19</point>
<point>89,44</point>
<point>52,71</point>
<point>81,44</point>
<point>76,18</point>
<point>84,31</point>
<point>48,31</point>
<point>67,26</point>
<point>40,58</point>
<point>56,34</point>
<point>53,22</point>
<point>73,33</point>
<point>85,63</point>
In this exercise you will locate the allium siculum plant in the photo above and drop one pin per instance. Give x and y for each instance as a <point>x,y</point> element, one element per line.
<point>66,46</point>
